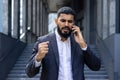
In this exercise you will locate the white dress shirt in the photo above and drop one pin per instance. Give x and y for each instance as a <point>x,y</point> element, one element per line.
<point>64,49</point>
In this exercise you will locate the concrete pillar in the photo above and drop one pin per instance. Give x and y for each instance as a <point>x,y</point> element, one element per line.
<point>112,17</point>
<point>93,22</point>
<point>29,22</point>
<point>46,20</point>
<point>38,17</point>
<point>34,17</point>
<point>33,21</point>
<point>41,17</point>
<point>5,18</point>
<point>29,14</point>
<point>86,21</point>
<point>1,8</point>
<point>105,18</point>
<point>117,16</point>
<point>99,17</point>
<point>15,18</point>
<point>24,19</point>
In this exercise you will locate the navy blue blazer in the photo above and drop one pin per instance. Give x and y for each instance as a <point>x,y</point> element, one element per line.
<point>50,63</point>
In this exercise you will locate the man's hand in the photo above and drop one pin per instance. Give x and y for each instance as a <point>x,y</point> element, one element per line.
<point>42,50</point>
<point>78,36</point>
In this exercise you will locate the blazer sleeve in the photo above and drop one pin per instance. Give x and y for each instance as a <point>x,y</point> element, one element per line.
<point>31,70</point>
<point>91,60</point>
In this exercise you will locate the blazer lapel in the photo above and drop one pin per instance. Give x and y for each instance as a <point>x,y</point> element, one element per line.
<point>55,47</point>
<point>73,47</point>
<point>53,42</point>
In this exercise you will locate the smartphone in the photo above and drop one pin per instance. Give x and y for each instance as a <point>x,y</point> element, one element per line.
<point>74,32</point>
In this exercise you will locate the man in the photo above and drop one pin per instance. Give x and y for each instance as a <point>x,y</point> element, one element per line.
<point>62,54</point>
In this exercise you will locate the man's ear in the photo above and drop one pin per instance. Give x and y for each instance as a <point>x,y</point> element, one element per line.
<point>56,21</point>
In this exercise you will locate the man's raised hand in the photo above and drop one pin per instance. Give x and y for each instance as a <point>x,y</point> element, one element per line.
<point>42,50</point>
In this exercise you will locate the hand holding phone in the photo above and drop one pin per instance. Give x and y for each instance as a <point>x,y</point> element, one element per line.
<point>75,30</point>
<point>78,36</point>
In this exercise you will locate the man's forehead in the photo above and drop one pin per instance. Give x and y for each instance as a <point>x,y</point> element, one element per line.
<point>66,16</point>
<point>63,14</point>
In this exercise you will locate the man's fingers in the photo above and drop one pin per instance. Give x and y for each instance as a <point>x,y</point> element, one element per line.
<point>45,52</point>
<point>75,28</point>
<point>43,46</point>
<point>44,49</point>
<point>43,43</point>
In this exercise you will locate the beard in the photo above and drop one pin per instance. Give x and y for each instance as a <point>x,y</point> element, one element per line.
<point>64,34</point>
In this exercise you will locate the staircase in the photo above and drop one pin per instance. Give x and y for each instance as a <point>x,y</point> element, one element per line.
<point>18,71</point>
<point>95,75</point>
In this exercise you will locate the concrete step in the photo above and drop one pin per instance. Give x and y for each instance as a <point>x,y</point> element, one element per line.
<point>90,76</point>
<point>23,68</point>
<point>24,64</point>
<point>96,79</point>
<point>21,76</point>
<point>95,72</point>
<point>23,79</point>
<point>39,79</point>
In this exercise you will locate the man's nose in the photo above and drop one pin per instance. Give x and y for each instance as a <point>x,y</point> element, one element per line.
<point>66,23</point>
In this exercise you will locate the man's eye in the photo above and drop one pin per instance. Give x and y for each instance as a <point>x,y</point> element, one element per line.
<point>62,20</point>
<point>70,21</point>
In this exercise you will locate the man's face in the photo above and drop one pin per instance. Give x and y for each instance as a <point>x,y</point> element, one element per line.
<point>64,23</point>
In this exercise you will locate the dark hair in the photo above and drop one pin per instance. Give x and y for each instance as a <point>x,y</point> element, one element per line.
<point>66,10</point>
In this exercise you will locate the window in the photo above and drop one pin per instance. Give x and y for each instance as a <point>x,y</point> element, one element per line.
<point>51,23</point>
